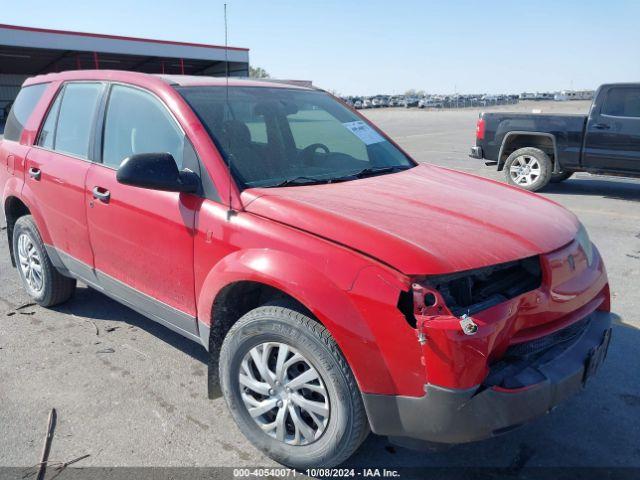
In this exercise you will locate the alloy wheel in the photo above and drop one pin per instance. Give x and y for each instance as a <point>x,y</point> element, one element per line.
<point>525,170</point>
<point>284,393</point>
<point>30,263</point>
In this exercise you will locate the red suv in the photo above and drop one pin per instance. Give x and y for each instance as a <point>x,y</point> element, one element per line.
<point>337,285</point>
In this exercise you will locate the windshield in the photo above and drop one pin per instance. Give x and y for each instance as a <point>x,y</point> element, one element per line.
<point>282,137</point>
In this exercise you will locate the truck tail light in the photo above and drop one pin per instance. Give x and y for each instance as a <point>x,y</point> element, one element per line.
<point>480,129</point>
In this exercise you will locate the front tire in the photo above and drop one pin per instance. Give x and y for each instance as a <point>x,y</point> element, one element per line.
<point>528,168</point>
<point>44,284</point>
<point>290,390</point>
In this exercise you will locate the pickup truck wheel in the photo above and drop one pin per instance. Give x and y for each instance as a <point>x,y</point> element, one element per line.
<point>44,284</point>
<point>560,177</point>
<point>290,390</point>
<point>528,168</point>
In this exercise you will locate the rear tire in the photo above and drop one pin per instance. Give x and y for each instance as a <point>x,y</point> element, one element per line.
<point>528,168</point>
<point>560,177</point>
<point>343,422</point>
<point>42,281</point>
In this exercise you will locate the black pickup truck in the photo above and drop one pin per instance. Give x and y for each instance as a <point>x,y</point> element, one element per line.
<point>535,149</point>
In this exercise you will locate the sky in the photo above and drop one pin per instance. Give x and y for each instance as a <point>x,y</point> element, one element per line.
<point>385,46</point>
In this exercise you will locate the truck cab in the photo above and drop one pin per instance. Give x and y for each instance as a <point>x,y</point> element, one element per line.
<point>612,133</point>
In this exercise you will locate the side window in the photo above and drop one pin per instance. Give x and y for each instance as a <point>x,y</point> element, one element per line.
<point>75,118</point>
<point>22,109</point>
<point>136,122</point>
<point>622,102</point>
<point>48,131</point>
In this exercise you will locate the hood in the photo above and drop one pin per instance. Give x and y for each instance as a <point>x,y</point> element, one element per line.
<point>423,221</point>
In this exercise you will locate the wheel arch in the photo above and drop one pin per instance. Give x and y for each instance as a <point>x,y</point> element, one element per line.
<point>252,278</point>
<point>515,140</point>
<point>14,208</point>
<point>26,196</point>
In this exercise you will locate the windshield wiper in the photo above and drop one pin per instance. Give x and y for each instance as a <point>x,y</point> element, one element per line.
<point>370,171</point>
<point>365,172</point>
<point>301,180</point>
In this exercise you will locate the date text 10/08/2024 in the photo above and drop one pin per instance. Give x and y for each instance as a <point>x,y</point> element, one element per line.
<point>316,472</point>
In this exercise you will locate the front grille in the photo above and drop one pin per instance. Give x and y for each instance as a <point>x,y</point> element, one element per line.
<point>543,343</point>
<point>518,367</point>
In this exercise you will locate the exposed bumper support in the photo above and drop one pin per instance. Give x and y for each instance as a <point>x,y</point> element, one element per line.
<point>456,416</point>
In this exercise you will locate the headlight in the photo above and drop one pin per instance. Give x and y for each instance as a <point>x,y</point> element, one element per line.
<point>582,237</point>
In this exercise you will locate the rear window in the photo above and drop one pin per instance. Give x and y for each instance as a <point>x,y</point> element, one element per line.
<point>22,109</point>
<point>622,102</point>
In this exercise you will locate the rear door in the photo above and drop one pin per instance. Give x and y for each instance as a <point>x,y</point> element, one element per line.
<point>143,239</point>
<point>612,140</point>
<point>56,169</point>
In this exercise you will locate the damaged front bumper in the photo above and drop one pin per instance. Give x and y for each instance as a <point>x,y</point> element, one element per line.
<point>445,415</point>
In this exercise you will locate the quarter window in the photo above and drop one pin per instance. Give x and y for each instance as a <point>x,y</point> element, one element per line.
<point>136,122</point>
<point>622,102</point>
<point>22,109</point>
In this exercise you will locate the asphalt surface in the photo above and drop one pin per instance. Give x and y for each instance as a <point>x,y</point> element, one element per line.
<point>131,393</point>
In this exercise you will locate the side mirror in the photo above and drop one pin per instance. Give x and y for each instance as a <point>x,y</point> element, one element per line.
<point>156,171</point>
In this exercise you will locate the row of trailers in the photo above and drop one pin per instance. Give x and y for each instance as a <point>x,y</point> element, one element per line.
<point>561,96</point>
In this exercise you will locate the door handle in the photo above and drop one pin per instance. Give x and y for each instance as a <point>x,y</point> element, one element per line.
<point>101,194</point>
<point>602,126</point>
<point>35,173</point>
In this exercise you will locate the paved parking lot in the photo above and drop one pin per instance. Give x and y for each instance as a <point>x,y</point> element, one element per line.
<point>131,393</point>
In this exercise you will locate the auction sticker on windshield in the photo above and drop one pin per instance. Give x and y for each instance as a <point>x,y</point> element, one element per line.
<point>364,132</point>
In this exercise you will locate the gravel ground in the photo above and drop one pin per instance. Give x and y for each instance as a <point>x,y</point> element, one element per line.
<point>131,393</point>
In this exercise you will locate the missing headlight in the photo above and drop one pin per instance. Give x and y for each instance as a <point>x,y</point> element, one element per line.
<point>476,290</point>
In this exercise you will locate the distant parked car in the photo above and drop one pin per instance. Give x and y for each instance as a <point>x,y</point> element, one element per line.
<point>411,102</point>
<point>429,103</point>
<point>534,149</point>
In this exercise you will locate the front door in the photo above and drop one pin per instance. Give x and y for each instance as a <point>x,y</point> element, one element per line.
<point>142,239</point>
<point>612,140</point>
